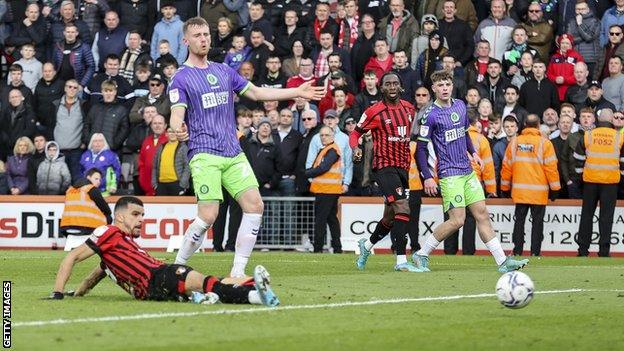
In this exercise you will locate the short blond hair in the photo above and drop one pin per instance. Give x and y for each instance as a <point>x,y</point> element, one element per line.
<point>31,146</point>
<point>195,21</point>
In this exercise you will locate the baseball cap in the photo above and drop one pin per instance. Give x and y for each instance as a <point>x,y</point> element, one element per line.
<point>337,74</point>
<point>349,120</point>
<point>595,83</point>
<point>512,117</point>
<point>331,113</point>
<point>264,120</point>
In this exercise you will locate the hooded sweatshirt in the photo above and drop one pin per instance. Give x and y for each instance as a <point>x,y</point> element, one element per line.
<point>53,177</point>
<point>171,30</point>
<point>562,65</point>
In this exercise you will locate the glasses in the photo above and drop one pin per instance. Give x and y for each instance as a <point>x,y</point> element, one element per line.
<point>422,95</point>
<point>71,86</point>
<point>155,84</point>
<point>307,118</point>
<point>535,11</point>
<point>618,117</point>
<point>615,34</point>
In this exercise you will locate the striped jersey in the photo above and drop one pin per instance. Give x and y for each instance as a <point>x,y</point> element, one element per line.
<point>208,96</point>
<point>390,126</point>
<point>446,128</point>
<point>124,261</point>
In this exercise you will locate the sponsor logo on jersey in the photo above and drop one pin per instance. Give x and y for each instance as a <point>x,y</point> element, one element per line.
<point>214,99</point>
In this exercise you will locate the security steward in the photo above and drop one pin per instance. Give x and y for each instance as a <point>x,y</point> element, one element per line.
<point>530,171</point>
<point>326,185</point>
<point>85,208</point>
<point>415,199</point>
<point>599,157</point>
<point>487,177</point>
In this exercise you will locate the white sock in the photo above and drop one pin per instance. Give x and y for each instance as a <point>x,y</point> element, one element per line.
<point>254,297</point>
<point>368,245</point>
<point>430,244</point>
<point>496,249</point>
<point>193,239</point>
<point>245,241</point>
<point>401,259</point>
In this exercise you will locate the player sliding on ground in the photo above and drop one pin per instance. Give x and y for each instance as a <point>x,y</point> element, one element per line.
<point>147,278</point>
<point>390,122</point>
<point>444,125</point>
<point>202,98</point>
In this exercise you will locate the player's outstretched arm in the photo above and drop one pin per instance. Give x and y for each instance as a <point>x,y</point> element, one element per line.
<point>79,254</point>
<point>305,90</point>
<point>90,281</point>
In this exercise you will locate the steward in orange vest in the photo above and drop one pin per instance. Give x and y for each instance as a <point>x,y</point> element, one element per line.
<point>326,185</point>
<point>85,208</point>
<point>415,199</point>
<point>600,158</point>
<point>530,170</point>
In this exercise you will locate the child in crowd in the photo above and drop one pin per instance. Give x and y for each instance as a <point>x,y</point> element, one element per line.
<point>140,83</point>
<point>165,55</point>
<point>239,52</point>
<point>169,68</point>
<point>31,67</point>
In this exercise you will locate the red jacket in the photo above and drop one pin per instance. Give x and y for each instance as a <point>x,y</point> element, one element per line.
<point>563,66</point>
<point>146,160</point>
<point>375,65</point>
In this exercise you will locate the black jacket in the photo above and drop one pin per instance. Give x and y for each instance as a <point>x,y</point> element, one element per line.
<point>536,96</point>
<point>364,100</point>
<point>289,148</point>
<point>264,159</point>
<point>458,36</point>
<point>258,57</point>
<point>93,91</point>
<point>31,170</point>
<point>6,89</point>
<point>495,93</point>
<point>110,119</point>
<point>219,46</point>
<point>24,124</point>
<point>35,34</point>
<point>409,78</point>
<point>301,182</point>
<point>45,94</point>
<point>284,42</point>
<point>600,104</point>
<point>138,132</point>
<point>577,96</point>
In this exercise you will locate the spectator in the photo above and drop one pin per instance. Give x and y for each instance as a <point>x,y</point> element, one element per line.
<point>595,100</point>
<point>164,52</point>
<point>155,97</point>
<point>568,164</point>
<point>321,53</point>
<point>494,84</point>
<point>406,73</point>
<point>399,27</point>
<point>17,119</point>
<point>496,29</point>
<point>369,95</point>
<point>561,67</point>
<point>239,7</point>
<point>512,58</point>
<point>98,155</point>
<point>525,72</point>
<point>169,28</point>
<point>108,117</point>
<point>288,141</point>
<point>15,82</point>
<point>133,56</point>
<point>305,75</point>
<point>53,176</point>
<point>610,49</point>
<point>4,187</point>
<point>429,24</point>
<point>363,49</point>
<point>473,96</point>
<point>550,119</point>
<point>376,10</point>
<point>310,122</point>
<point>130,156</point>
<point>298,108</point>
<point>260,52</point>
<point>459,84</point>
<point>169,69</point>
<point>540,32</point>
<point>465,11</point>
<point>264,156</point>
<point>334,63</point>
<point>67,17</point>
<point>32,30</point>
<point>111,39</point>
<point>93,92</point>
<point>221,40</point>
<point>457,32</point>
<point>348,26</point>
<point>148,151</point>
<point>614,84</point>
<point>343,109</point>
<point>17,166</point>
<point>613,16</point>
<point>170,171</point>
<point>273,78</point>
<point>35,160</point>
<point>69,127</point>
<point>73,58</point>
<point>538,94</point>
<point>5,15</point>
<point>510,127</point>
<point>495,129</point>
<point>577,93</point>
<point>477,68</point>
<point>618,121</point>
<point>485,112</point>
<point>585,28</point>
<point>381,63</point>
<point>321,22</point>
<point>559,142</point>
<point>49,88</point>
<point>568,110</point>
<point>423,100</point>
<point>138,16</point>
<point>140,83</point>
<point>512,94</point>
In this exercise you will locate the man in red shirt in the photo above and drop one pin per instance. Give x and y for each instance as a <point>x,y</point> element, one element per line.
<point>148,153</point>
<point>147,278</point>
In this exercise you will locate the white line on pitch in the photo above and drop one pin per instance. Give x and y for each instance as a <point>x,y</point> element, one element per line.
<point>283,308</point>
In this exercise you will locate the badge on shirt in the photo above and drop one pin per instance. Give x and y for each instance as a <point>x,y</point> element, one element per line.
<point>424,131</point>
<point>174,95</point>
<point>102,158</point>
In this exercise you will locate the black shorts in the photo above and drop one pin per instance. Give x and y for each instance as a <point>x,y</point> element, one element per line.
<point>392,182</point>
<point>167,281</point>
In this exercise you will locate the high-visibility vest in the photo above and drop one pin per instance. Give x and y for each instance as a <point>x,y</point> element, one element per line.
<point>602,152</point>
<point>530,168</point>
<point>487,174</point>
<point>414,178</point>
<point>80,210</point>
<point>329,182</point>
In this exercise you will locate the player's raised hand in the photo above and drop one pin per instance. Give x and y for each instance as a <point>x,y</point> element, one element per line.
<point>182,133</point>
<point>431,188</point>
<point>312,92</point>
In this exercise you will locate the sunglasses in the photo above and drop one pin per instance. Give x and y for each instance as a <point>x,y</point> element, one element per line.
<point>535,11</point>
<point>422,95</point>
<point>307,119</point>
<point>618,117</point>
<point>614,34</point>
<point>155,84</point>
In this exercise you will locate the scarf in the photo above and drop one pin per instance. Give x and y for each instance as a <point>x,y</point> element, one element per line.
<point>318,28</point>
<point>353,32</point>
<point>516,52</point>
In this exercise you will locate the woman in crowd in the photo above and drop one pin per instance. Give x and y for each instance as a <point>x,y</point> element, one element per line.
<point>221,40</point>
<point>290,67</point>
<point>98,155</point>
<point>17,166</point>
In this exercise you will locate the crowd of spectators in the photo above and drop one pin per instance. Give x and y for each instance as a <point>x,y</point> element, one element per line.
<point>86,81</point>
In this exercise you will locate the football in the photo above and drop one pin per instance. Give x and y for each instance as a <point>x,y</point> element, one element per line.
<point>514,289</point>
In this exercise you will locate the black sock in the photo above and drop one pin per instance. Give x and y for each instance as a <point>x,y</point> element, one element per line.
<point>228,293</point>
<point>399,232</point>
<point>381,230</point>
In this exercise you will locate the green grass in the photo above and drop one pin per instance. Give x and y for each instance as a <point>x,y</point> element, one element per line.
<point>569,321</point>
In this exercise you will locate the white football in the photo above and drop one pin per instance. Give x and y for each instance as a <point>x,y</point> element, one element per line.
<point>515,289</point>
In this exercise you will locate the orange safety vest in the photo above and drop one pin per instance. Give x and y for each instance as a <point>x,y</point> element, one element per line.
<point>414,177</point>
<point>329,182</point>
<point>80,210</point>
<point>487,175</point>
<point>602,152</point>
<point>530,168</point>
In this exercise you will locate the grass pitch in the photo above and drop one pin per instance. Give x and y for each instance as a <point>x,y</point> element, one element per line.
<point>329,305</point>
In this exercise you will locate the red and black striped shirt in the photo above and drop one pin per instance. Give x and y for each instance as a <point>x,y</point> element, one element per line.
<point>390,126</point>
<point>124,261</point>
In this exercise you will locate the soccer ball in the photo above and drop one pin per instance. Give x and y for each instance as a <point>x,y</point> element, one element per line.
<point>514,289</point>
